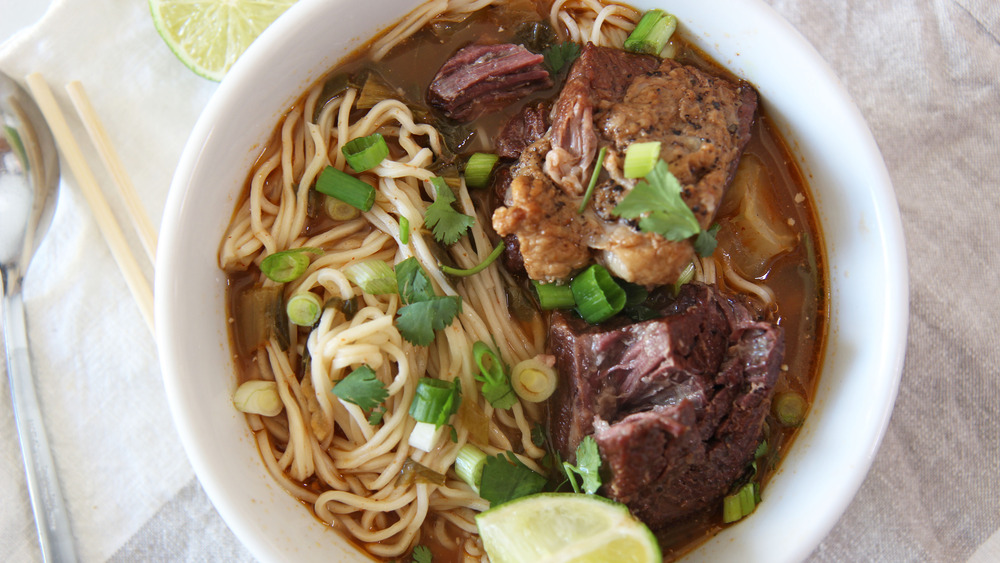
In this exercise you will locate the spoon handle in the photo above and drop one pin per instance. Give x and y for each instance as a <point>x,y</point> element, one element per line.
<point>51,517</point>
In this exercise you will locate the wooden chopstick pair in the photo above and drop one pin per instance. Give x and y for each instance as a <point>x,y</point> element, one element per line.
<point>110,229</point>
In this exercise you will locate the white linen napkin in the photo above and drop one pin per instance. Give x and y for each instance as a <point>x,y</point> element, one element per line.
<point>118,456</point>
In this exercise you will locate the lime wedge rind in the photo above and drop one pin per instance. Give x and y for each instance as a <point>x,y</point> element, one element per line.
<point>565,528</point>
<point>208,36</point>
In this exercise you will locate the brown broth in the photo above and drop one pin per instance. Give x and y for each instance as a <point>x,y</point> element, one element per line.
<point>798,278</point>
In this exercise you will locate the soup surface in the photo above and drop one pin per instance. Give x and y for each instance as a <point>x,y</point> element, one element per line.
<point>339,431</point>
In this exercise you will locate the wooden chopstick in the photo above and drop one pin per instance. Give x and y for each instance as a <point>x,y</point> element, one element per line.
<point>134,278</point>
<point>99,136</point>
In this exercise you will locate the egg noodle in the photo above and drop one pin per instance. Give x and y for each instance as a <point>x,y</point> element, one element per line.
<point>323,449</point>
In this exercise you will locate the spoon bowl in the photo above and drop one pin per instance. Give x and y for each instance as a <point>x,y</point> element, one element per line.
<point>29,178</point>
<point>29,181</point>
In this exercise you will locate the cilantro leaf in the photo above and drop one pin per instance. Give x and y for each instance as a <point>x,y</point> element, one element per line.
<point>656,201</point>
<point>705,244</point>
<point>422,554</point>
<point>376,415</point>
<point>505,479</point>
<point>561,54</point>
<point>413,282</point>
<point>588,465</point>
<point>447,224</point>
<point>418,321</point>
<point>423,312</point>
<point>362,388</point>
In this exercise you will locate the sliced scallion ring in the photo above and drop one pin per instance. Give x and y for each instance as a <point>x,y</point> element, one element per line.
<point>478,169</point>
<point>339,210</point>
<point>652,33</point>
<point>789,408</point>
<point>258,397</point>
<point>404,230</point>
<point>374,277</point>
<point>435,401</point>
<point>287,265</point>
<point>365,153</point>
<point>304,308</point>
<point>341,185</point>
<point>469,465</point>
<point>554,296</point>
<point>598,297</point>
<point>640,158</point>
<point>534,379</point>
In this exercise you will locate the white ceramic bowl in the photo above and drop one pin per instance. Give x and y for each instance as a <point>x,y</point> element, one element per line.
<point>857,209</point>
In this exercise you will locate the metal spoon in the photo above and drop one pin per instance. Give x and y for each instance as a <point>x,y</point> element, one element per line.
<point>29,180</point>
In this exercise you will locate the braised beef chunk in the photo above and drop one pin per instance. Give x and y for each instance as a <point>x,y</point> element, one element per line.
<point>482,79</point>
<point>598,77</point>
<point>522,129</point>
<point>611,99</point>
<point>676,404</point>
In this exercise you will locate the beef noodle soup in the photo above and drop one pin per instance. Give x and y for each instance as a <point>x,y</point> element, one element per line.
<point>451,261</point>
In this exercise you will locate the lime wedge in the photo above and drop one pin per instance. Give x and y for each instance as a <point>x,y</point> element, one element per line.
<point>209,35</point>
<point>563,528</point>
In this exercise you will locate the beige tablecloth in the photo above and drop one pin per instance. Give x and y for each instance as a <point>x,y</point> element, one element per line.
<point>926,75</point>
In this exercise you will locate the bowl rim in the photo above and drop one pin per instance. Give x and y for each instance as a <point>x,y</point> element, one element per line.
<point>886,224</point>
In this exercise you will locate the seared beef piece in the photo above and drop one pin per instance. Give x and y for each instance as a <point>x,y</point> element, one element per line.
<point>702,121</point>
<point>482,79</point>
<point>598,77</point>
<point>544,219</point>
<point>614,98</point>
<point>676,404</point>
<point>522,129</point>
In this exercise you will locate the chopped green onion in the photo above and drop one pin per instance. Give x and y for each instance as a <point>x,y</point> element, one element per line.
<point>731,511</point>
<point>374,277</point>
<point>346,188</point>
<point>477,268</point>
<point>424,435</point>
<point>338,210</point>
<point>534,379</point>
<point>686,276</point>
<point>598,164</point>
<point>469,465</point>
<point>640,159</point>
<point>789,408</point>
<point>553,296</point>
<point>436,400</point>
<point>478,169</point>
<point>258,397</point>
<point>304,308</point>
<point>652,33</point>
<point>740,504</point>
<point>404,230</point>
<point>598,297</point>
<point>493,375</point>
<point>287,265</point>
<point>365,153</point>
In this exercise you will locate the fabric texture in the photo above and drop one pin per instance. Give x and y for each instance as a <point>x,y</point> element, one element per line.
<point>924,73</point>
